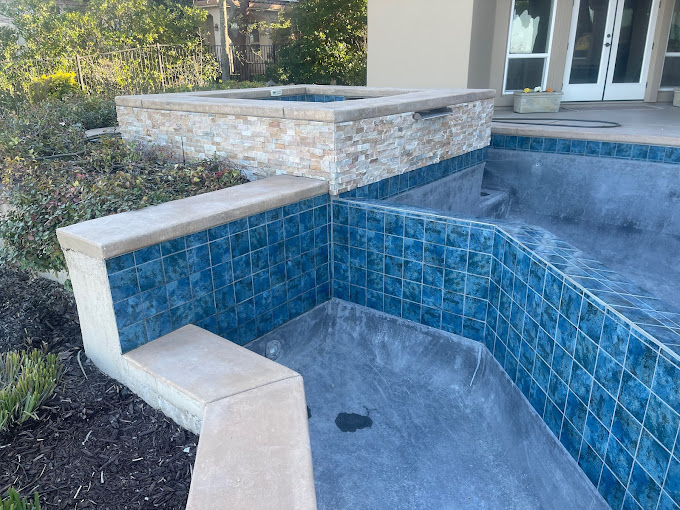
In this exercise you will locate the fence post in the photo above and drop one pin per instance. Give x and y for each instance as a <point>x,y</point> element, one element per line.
<point>79,71</point>
<point>160,65</point>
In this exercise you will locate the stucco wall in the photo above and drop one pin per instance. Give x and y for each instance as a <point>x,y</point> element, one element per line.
<point>419,45</point>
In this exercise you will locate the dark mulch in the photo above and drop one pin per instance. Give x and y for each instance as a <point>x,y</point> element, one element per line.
<point>95,444</point>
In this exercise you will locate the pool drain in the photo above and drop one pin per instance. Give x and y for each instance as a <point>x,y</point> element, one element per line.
<point>272,350</point>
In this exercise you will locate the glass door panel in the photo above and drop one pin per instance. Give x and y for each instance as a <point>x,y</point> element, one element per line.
<point>630,52</point>
<point>631,45</point>
<point>588,44</point>
<point>589,49</point>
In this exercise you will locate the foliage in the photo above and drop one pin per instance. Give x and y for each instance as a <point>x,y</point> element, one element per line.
<point>321,41</point>
<point>13,501</point>
<point>51,127</point>
<point>165,37</point>
<point>52,31</point>
<point>109,177</point>
<point>27,380</point>
<point>55,85</point>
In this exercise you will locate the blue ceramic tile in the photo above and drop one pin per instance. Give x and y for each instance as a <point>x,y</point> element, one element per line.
<point>563,146</point>
<point>578,146</point>
<point>173,246</point>
<point>618,459</point>
<point>652,456</point>
<point>201,283</point>
<point>575,411</point>
<point>665,380</point>
<point>198,258</point>
<point>591,320</point>
<point>123,284</point>
<point>643,488</point>
<point>158,325</point>
<point>608,149</point>
<point>608,372</point>
<point>615,338</point>
<point>220,251</point>
<point>596,435</point>
<point>593,148</point>
<point>655,153</point>
<point>132,337</point>
<point>640,151</point>
<point>150,275</point>
<point>154,301</point>
<point>590,463</point>
<point>602,404</point>
<point>585,352</point>
<point>204,307</point>
<point>536,144</point>
<point>549,144</point>
<point>120,263</point>
<point>611,489</point>
<point>661,421</point>
<point>672,485</point>
<point>182,315</point>
<point>633,395</point>
<point>147,254</point>
<point>624,150</point>
<point>128,311</point>
<point>672,155</point>
<point>175,266</point>
<point>571,439</point>
<point>641,360</point>
<point>580,382</point>
<point>626,429</point>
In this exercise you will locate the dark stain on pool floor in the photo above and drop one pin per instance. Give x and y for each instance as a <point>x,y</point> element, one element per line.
<point>351,422</point>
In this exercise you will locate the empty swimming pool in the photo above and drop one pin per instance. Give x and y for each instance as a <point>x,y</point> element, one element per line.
<point>406,416</point>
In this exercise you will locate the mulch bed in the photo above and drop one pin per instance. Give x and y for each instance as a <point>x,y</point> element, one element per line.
<point>95,444</point>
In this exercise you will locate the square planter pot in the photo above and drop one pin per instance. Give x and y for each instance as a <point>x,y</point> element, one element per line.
<point>537,102</point>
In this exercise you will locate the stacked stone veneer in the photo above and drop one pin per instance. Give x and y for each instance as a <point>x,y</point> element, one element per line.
<point>347,154</point>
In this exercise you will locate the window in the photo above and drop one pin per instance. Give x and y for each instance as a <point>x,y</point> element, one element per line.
<point>671,65</point>
<point>529,42</point>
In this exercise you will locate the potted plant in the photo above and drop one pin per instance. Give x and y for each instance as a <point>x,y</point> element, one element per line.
<point>536,101</point>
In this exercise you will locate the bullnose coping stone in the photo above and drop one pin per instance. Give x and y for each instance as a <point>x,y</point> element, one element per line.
<point>254,450</point>
<point>114,235</point>
<point>374,102</point>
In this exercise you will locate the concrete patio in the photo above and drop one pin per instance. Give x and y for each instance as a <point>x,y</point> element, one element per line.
<point>648,123</point>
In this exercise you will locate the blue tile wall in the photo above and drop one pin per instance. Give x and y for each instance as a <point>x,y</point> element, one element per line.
<point>419,177</point>
<point>605,388</point>
<point>239,280</point>
<point>310,98</point>
<point>591,148</point>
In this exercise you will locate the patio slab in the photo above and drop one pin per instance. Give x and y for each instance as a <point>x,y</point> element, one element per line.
<point>643,123</point>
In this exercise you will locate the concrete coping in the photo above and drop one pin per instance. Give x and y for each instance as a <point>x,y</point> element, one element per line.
<point>374,102</point>
<point>254,446</point>
<point>584,133</point>
<point>114,235</point>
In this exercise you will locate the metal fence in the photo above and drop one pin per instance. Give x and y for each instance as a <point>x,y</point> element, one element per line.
<point>246,62</point>
<point>149,69</point>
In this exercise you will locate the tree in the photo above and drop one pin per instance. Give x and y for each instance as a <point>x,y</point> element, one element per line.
<point>322,41</point>
<point>53,31</point>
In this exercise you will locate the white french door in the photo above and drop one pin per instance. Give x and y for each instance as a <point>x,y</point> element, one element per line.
<point>609,49</point>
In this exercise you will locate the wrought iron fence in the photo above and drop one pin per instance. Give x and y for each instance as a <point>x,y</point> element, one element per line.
<point>149,69</point>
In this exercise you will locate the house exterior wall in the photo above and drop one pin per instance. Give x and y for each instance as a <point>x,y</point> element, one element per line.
<point>465,45</point>
<point>414,45</point>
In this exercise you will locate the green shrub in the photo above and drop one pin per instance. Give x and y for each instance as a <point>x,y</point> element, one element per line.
<point>53,126</point>
<point>109,177</point>
<point>54,86</point>
<point>13,501</point>
<point>27,380</point>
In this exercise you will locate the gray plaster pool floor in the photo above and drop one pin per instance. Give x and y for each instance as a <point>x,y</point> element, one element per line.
<point>447,429</point>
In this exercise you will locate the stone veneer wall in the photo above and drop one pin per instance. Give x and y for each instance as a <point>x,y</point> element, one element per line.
<point>347,154</point>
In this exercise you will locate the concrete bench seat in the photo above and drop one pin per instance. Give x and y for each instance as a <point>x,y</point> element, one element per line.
<point>254,449</point>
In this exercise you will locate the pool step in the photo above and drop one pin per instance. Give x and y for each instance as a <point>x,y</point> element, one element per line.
<point>494,203</point>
